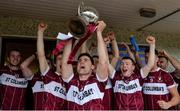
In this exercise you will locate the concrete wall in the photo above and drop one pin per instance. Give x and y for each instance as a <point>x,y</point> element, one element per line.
<point>28,27</point>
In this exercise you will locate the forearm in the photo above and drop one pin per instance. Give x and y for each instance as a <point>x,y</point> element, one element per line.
<point>130,53</point>
<point>66,68</point>
<point>41,53</point>
<point>84,48</point>
<point>174,62</point>
<point>40,44</point>
<point>24,66</point>
<point>115,48</point>
<point>28,61</point>
<point>102,68</point>
<point>138,60</point>
<point>151,58</point>
<point>66,52</point>
<point>103,58</point>
<point>174,101</point>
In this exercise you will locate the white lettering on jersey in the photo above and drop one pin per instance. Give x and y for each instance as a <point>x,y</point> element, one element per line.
<point>38,87</point>
<point>90,92</point>
<point>55,89</point>
<point>10,80</point>
<point>155,88</point>
<point>127,88</point>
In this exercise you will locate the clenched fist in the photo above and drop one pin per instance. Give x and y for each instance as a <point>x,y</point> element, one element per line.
<point>150,40</point>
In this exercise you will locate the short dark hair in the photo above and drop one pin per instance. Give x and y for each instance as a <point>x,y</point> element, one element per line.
<point>17,50</point>
<point>88,55</point>
<point>95,56</point>
<point>147,51</point>
<point>126,57</point>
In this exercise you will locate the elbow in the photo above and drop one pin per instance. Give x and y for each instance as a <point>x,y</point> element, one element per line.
<point>22,66</point>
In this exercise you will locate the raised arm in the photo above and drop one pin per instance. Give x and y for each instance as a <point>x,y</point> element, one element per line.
<point>151,59</point>
<point>102,67</point>
<point>84,48</point>
<point>130,53</point>
<point>138,59</point>
<point>115,48</point>
<point>174,61</point>
<point>43,64</point>
<point>67,69</point>
<point>27,72</point>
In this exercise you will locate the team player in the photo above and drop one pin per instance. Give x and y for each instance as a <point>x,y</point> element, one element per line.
<point>159,88</point>
<point>36,84</point>
<point>55,93</point>
<point>127,83</point>
<point>164,58</point>
<point>13,83</point>
<point>110,40</point>
<point>85,90</point>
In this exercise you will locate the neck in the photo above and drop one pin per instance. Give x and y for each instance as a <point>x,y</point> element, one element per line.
<point>13,67</point>
<point>84,77</point>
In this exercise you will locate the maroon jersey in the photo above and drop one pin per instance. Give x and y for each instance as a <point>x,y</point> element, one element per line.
<point>37,86</point>
<point>128,91</point>
<point>55,93</point>
<point>155,88</point>
<point>108,96</point>
<point>13,88</point>
<point>85,95</point>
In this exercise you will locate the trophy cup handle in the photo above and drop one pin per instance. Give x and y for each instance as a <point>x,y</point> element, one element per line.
<point>80,7</point>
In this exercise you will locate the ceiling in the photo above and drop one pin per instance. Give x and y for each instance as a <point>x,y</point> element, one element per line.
<point>121,13</point>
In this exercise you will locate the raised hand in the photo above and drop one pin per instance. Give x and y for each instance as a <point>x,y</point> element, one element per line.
<point>101,26</point>
<point>150,40</point>
<point>124,44</point>
<point>42,26</point>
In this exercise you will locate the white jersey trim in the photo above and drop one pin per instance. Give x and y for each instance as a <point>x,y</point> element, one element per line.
<point>10,80</point>
<point>38,87</point>
<point>69,79</point>
<point>30,78</point>
<point>155,89</point>
<point>82,96</point>
<point>113,74</point>
<point>55,89</point>
<point>101,80</point>
<point>45,72</point>
<point>127,88</point>
<point>171,86</point>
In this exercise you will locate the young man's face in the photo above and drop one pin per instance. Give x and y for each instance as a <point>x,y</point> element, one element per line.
<point>14,58</point>
<point>127,67</point>
<point>84,65</point>
<point>162,63</point>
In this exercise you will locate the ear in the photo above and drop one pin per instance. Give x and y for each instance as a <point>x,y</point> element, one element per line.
<point>133,67</point>
<point>156,59</point>
<point>92,67</point>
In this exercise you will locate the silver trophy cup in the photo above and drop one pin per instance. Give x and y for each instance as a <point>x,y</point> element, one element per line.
<point>78,25</point>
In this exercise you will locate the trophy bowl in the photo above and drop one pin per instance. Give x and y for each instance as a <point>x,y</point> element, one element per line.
<point>78,25</point>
